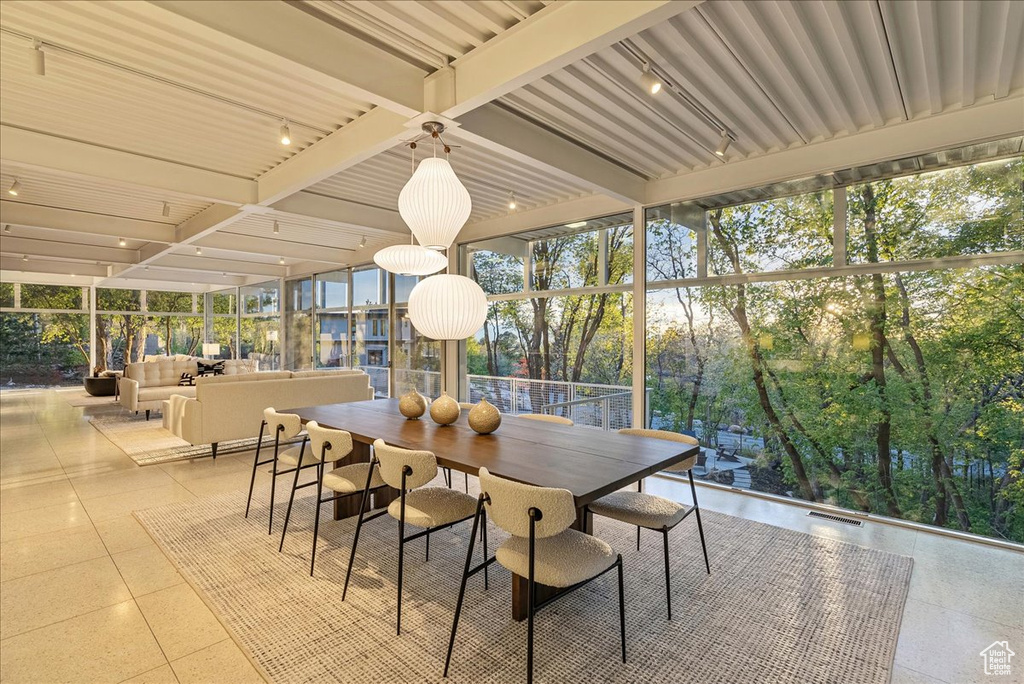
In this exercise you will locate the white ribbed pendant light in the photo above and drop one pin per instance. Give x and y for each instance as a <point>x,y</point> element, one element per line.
<point>410,260</point>
<point>447,307</point>
<point>435,204</point>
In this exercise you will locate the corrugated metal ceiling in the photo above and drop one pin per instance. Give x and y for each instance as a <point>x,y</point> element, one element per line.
<point>427,33</point>
<point>306,231</point>
<point>488,176</point>
<point>780,74</point>
<point>97,196</point>
<point>115,97</point>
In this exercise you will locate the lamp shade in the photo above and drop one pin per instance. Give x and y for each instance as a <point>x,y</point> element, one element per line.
<point>447,307</point>
<point>211,349</point>
<point>410,260</point>
<point>435,204</point>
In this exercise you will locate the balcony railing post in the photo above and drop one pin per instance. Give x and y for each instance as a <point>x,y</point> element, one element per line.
<point>605,412</point>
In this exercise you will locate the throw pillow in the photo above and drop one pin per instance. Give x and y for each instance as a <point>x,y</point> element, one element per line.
<point>210,368</point>
<point>187,380</point>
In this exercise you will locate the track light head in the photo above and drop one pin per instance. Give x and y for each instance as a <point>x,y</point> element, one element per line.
<point>362,242</point>
<point>7,227</point>
<point>286,134</point>
<point>199,251</point>
<point>122,242</point>
<point>277,228</point>
<point>24,257</point>
<point>651,83</point>
<point>15,188</point>
<point>512,201</point>
<point>723,145</point>
<point>38,59</point>
<point>166,209</point>
<point>281,261</point>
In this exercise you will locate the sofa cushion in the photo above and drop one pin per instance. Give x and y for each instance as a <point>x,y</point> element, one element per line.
<point>159,393</point>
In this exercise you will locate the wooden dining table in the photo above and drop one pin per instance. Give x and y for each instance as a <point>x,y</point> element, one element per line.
<point>588,462</point>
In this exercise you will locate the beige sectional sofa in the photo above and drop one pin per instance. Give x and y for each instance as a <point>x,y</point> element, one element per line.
<point>147,384</point>
<point>229,407</point>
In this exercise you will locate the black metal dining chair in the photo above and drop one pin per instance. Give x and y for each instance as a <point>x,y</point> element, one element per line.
<point>285,426</point>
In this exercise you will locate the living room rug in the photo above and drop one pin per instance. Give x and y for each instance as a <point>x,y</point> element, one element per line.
<point>147,442</point>
<point>778,606</point>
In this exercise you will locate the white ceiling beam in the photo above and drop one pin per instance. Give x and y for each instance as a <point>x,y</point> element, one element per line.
<point>81,271</point>
<point>30,149</point>
<point>35,216</point>
<point>247,244</point>
<point>230,266</point>
<point>991,121</point>
<point>277,34</point>
<point>343,212</point>
<point>191,277</point>
<point>547,41</point>
<point>550,215</point>
<point>501,131</point>
<point>17,246</point>
<point>357,141</point>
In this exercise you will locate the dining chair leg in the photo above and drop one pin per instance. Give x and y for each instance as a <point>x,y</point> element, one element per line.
<point>288,511</point>
<point>622,611</point>
<point>700,527</point>
<point>316,517</point>
<point>359,526</point>
<point>467,482</point>
<point>255,463</point>
<point>462,586</point>
<point>483,538</point>
<point>637,537</point>
<point>273,481</point>
<point>531,592</point>
<point>401,560</point>
<point>668,581</point>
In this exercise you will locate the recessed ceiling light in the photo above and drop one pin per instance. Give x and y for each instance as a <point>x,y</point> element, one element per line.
<point>15,187</point>
<point>122,241</point>
<point>512,201</point>
<point>286,134</point>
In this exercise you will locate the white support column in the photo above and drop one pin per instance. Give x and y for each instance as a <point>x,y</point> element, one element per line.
<point>639,317</point>
<point>92,326</point>
<point>839,227</point>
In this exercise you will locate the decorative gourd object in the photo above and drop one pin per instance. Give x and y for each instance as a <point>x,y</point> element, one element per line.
<point>444,410</point>
<point>484,417</point>
<point>412,405</point>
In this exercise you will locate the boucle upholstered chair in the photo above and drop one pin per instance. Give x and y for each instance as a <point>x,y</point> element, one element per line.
<point>344,481</point>
<point>655,512</point>
<point>284,426</point>
<point>432,508</point>
<point>543,548</point>
<point>546,418</point>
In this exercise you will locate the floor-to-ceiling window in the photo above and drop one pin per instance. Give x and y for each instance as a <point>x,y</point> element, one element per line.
<point>558,333</point>
<point>298,323</point>
<point>260,325</point>
<point>44,334</point>
<point>856,340</point>
<point>371,327</point>
<point>417,359</point>
<point>222,325</point>
<point>331,335</point>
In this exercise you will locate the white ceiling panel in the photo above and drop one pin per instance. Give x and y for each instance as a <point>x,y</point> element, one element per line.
<point>780,73</point>
<point>96,196</point>
<point>117,79</point>
<point>426,32</point>
<point>488,176</point>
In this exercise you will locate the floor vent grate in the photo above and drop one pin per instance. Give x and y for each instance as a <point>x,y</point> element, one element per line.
<point>836,518</point>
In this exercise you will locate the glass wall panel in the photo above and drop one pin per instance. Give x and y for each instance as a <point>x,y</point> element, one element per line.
<point>497,265</point>
<point>260,323</point>
<point>52,297</point>
<point>599,254</point>
<point>369,287</point>
<point>44,349</point>
<point>223,321</point>
<point>371,327</point>
<point>112,299</point>
<point>332,337</point>
<point>672,234</point>
<point>417,361</point>
<point>298,321</point>
<point>966,210</point>
<point>6,295</point>
<point>568,355</point>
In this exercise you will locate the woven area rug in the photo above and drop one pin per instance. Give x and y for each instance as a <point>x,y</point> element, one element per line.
<point>779,606</point>
<point>147,442</point>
